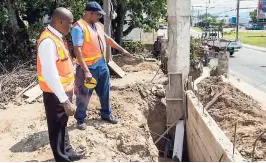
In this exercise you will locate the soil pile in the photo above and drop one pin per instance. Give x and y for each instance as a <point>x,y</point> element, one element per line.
<point>134,99</point>
<point>235,107</point>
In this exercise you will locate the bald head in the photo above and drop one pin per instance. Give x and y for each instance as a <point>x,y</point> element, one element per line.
<point>62,20</point>
<point>62,13</point>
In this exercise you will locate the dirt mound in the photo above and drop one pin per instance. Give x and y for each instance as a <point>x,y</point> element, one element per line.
<point>232,107</point>
<point>135,64</point>
<point>137,103</point>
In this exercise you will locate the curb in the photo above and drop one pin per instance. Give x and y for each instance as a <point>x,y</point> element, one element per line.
<point>254,47</point>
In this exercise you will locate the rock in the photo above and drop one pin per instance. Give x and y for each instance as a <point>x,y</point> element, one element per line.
<point>158,90</point>
<point>214,71</point>
<point>18,103</point>
<point>143,93</point>
<point>259,154</point>
<point>150,60</point>
<point>160,93</point>
<point>153,89</point>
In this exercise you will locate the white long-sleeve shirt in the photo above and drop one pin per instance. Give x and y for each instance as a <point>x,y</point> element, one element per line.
<point>48,56</point>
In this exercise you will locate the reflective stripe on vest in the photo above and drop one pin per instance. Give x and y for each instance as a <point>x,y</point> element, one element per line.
<point>64,64</point>
<point>91,51</point>
<point>62,80</point>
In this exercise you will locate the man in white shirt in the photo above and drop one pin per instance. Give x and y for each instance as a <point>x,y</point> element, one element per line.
<point>56,79</point>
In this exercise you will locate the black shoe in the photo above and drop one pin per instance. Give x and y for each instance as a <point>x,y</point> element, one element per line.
<point>112,119</point>
<point>75,156</point>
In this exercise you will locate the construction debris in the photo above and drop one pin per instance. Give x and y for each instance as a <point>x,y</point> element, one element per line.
<point>135,100</point>
<point>14,82</point>
<point>33,94</point>
<point>209,104</point>
<point>233,106</point>
<point>116,69</point>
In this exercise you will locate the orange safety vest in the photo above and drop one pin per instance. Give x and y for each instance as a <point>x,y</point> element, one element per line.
<point>64,64</point>
<point>91,51</point>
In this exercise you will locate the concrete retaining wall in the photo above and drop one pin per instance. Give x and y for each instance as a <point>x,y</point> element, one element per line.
<point>206,141</point>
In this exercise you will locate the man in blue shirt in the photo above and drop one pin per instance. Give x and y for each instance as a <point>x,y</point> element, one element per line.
<point>98,70</point>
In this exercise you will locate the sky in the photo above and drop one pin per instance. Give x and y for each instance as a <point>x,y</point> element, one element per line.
<point>224,7</point>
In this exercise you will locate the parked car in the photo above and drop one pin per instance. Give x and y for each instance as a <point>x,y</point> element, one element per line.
<point>255,27</point>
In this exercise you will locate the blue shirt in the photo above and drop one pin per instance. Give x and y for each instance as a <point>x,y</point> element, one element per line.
<point>78,39</point>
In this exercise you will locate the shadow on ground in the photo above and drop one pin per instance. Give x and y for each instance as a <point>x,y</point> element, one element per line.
<point>50,160</point>
<point>34,141</point>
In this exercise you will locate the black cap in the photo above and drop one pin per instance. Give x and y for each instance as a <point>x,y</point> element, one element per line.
<point>95,7</point>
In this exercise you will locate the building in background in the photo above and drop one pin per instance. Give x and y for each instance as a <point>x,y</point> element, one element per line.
<point>262,12</point>
<point>231,22</point>
<point>262,9</point>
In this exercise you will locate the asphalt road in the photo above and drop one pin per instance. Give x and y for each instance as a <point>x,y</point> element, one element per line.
<point>247,65</point>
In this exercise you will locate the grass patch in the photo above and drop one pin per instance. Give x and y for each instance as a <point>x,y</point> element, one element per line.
<point>251,38</point>
<point>197,29</point>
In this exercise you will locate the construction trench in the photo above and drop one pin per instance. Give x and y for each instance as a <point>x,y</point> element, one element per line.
<point>138,99</point>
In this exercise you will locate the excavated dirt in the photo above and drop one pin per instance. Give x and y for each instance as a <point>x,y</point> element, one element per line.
<point>135,64</point>
<point>135,100</point>
<point>235,107</point>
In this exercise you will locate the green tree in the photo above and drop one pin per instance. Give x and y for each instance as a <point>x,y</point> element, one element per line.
<point>253,15</point>
<point>21,20</point>
<point>143,14</point>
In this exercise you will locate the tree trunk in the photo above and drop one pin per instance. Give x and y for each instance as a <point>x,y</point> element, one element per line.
<point>121,14</point>
<point>12,16</point>
<point>128,30</point>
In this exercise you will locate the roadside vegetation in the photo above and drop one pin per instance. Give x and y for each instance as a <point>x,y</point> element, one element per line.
<point>252,38</point>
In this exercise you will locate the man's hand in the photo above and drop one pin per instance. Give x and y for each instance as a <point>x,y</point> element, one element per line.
<point>88,76</point>
<point>69,108</point>
<point>126,53</point>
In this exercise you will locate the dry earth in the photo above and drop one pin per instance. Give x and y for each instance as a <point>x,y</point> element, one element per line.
<point>234,107</point>
<point>137,101</point>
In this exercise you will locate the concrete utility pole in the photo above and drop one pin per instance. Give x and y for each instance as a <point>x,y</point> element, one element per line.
<point>198,19</point>
<point>192,18</point>
<point>237,19</point>
<point>107,26</point>
<point>206,11</point>
<point>179,52</point>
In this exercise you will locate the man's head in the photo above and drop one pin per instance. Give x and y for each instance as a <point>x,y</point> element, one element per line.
<point>62,20</point>
<point>93,12</point>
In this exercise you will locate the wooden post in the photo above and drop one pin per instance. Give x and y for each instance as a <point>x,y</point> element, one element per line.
<point>179,52</point>
<point>107,26</point>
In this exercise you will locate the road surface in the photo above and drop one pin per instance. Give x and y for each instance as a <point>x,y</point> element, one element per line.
<point>247,65</point>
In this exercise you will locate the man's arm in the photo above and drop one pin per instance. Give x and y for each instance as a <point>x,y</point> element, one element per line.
<point>113,44</point>
<point>78,53</point>
<point>78,40</point>
<point>48,57</point>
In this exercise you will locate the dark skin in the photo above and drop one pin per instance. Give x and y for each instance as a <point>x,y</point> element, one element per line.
<point>91,18</point>
<point>62,20</point>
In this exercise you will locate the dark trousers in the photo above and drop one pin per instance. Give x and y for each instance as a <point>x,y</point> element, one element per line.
<point>83,94</point>
<point>57,128</point>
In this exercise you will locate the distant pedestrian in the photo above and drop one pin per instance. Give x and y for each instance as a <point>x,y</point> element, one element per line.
<point>157,48</point>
